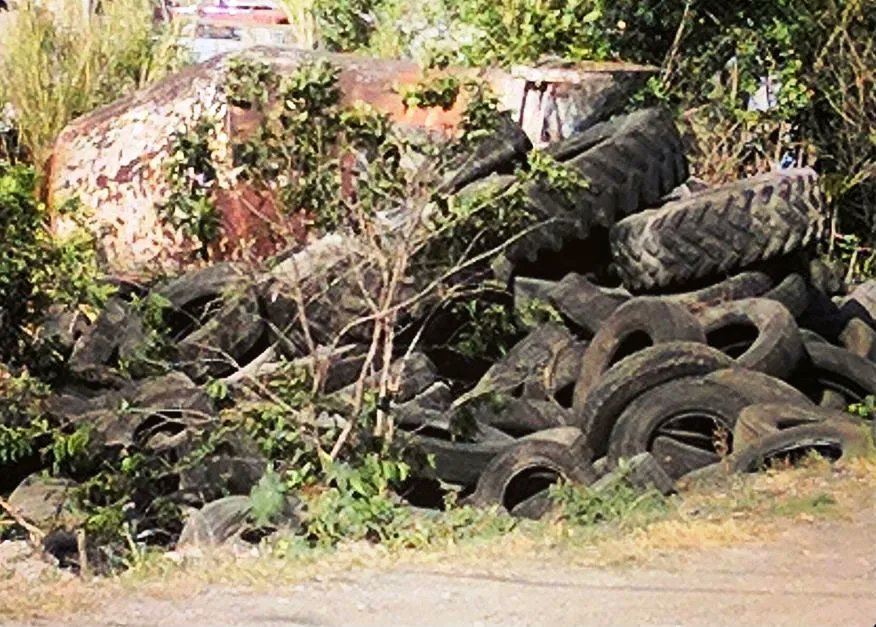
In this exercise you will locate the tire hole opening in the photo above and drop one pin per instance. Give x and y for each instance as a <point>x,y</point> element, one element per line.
<point>585,257</point>
<point>733,339</point>
<point>563,396</point>
<point>528,483</point>
<point>794,455</point>
<point>788,423</point>
<point>632,343</point>
<point>699,429</point>
<point>815,383</point>
<point>185,320</point>
<point>423,492</point>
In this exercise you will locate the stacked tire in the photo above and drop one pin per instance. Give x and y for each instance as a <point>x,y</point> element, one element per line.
<point>727,343</point>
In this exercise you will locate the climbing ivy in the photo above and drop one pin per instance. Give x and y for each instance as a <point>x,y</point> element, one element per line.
<point>310,148</point>
<point>191,174</point>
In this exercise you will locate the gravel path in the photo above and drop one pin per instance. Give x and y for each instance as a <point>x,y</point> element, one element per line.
<point>821,573</point>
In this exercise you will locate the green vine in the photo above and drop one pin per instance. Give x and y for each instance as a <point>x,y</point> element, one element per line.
<point>309,142</point>
<point>191,174</point>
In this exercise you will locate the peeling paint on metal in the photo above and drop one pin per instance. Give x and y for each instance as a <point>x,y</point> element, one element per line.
<point>113,158</point>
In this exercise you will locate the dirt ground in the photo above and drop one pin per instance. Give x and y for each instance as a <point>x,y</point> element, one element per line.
<point>819,572</point>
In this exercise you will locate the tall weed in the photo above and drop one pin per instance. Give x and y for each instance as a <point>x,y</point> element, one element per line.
<point>60,62</point>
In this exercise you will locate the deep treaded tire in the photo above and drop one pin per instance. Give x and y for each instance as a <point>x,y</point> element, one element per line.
<point>629,162</point>
<point>719,231</point>
<point>640,159</point>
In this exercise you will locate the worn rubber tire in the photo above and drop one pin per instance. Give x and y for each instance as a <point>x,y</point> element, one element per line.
<point>461,463</point>
<point>643,473</point>
<point>629,163</point>
<point>743,285</point>
<point>582,141</point>
<point>837,370</point>
<point>542,366</point>
<point>776,348</point>
<point>718,231</point>
<point>822,316</point>
<point>861,303</point>
<point>759,385</point>
<point>583,303</point>
<point>653,320</point>
<point>677,457</point>
<point>497,151</point>
<point>552,454</point>
<point>640,159</point>
<point>210,283</point>
<point>635,375</point>
<point>216,522</point>
<point>537,505</point>
<point>839,439</point>
<point>859,338</point>
<point>228,340</point>
<point>439,426</point>
<point>692,411</point>
<point>809,335</point>
<point>556,221</point>
<point>527,289</point>
<point>826,277</point>
<point>792,292</point>
<point>523,417</point>
<point>647,474</point>
<point>762,419</point>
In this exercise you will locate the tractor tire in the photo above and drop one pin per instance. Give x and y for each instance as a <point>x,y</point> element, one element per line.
<point>719,231</point>
<point>639,159</point>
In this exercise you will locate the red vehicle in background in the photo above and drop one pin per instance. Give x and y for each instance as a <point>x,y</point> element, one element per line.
<point>231,12</point>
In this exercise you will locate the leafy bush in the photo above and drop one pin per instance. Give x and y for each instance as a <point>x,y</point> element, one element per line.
<point>36,268</point>
<point>309,147</point>
<point>814,60</point>
<point>344,24</point>
<point>23,427</point>
<point>192,176</point>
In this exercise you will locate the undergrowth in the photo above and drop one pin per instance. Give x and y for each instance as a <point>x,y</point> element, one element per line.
<point>39,269</point>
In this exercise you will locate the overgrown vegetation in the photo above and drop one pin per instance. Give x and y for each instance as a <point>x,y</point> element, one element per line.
<point>310,148</point>
<point>60,63</point>
<point>341,168</point>
<point>757,85</point>
<point>338,453</point>
<point>38,269</point>
<point>191,173</point>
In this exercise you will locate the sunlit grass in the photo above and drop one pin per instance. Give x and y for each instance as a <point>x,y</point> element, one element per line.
<point>60,63</point>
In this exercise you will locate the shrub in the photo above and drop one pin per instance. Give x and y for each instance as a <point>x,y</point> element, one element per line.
<point>37,269</point>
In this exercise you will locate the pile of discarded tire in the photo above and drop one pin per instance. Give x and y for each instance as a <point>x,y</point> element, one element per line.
<point>725,345</point>
<point>697,333</point>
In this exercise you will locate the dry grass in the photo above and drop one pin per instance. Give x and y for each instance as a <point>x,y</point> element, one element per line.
<point>734,511</point>
<point>59,62</point>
